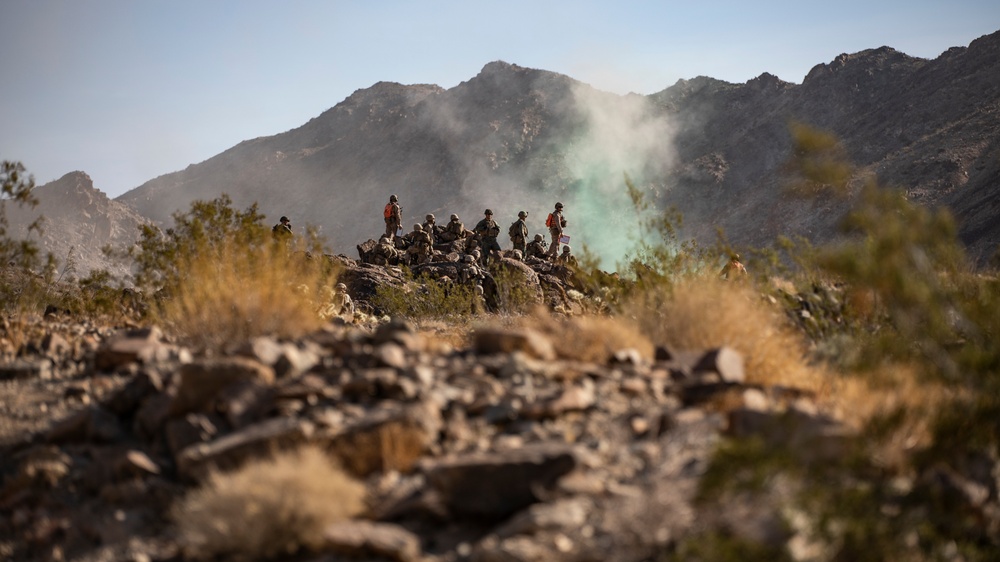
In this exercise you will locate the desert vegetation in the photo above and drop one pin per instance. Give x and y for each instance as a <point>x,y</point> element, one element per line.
<point>889,333</point>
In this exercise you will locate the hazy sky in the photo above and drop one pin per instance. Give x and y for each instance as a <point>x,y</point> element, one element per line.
<point>127,90</point>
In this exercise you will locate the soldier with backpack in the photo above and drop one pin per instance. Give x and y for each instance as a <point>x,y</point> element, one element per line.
<point>556,223</point>
<point>536,248</point>
<point>393,215</point>
<point>519,232</point>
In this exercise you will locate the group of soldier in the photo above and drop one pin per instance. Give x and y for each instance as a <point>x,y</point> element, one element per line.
<point>418,246</point>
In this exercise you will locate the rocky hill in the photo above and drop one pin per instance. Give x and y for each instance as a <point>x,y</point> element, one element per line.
<point>515,138</point>
<point>78,221</point>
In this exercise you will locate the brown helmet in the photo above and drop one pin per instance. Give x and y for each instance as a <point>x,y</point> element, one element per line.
<point>559,205</point>
<point>522,215</point>
<point>393,198</point>
<point>539,238</point>
<point>430,217</point>
<point>488,212</point>
<point>454,217</point>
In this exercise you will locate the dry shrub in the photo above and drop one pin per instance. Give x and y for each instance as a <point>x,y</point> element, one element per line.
<point>267,508</point>
<point>705,313</point>
<point>892,391</point>
<point>235,292</point>
<point>589,338</point>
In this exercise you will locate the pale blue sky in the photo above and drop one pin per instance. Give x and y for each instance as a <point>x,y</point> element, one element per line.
<point>130,90</point>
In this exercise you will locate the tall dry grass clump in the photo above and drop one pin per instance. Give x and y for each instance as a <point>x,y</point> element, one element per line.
<point>235,292</point>
<point>701,313</point>
<point>589,338</point>
<point>267,508</point>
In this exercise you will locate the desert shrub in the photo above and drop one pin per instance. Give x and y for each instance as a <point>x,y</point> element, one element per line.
<point>221,277</point>
<point>516,295</point>
<point>267,508</point>
<point>703,313</point>
<point>424,298</point>
<point>589,337</point>
<point>16,188</point>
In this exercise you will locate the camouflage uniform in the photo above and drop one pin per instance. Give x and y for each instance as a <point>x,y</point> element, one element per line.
<point>419,249</point>
<point>283,230</point>
<point>734,270</point>
<point>556,230</point>
<point>454,230</point>
<point>487,230</point>
<point>431,227</point>
<point>469,272</point>
<point>535,248</point>
<point>393,216</point>
<point>566,258</point>
<point>519,232</point>
<point>385,253</point>
<point>339,305</point>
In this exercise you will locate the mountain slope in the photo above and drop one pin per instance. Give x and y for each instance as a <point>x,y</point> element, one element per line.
<point>514,138</point>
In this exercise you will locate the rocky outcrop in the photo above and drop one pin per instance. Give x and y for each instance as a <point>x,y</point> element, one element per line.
<point>78,221</point>
<point>497,450</point>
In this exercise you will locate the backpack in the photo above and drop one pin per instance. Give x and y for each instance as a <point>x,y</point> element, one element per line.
<point>513,231</point>
<point>388,210</point>
<point>550,221</point>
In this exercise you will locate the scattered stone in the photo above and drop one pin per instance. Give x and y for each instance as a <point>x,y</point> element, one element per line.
<point>363,539</point>
<point>525,340</point>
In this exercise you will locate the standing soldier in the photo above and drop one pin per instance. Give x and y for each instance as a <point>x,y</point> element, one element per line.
<point>733,270</point>
<point>393,214</point>
<point>430,227</point>
<point>519,232</point>
<point>487,230</point>
<point>453,231</point>
<point>556,223</point>
<point>536,248</point>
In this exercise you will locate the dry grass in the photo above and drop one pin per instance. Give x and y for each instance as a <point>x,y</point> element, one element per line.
<point>858,400</point>
<point>236,293</point>
<point>589,338</point>
<point>267,508</point>
<point>705,313</point>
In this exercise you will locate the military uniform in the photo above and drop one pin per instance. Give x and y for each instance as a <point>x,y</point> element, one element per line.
<point>566,258</point>
<point>519,232</point>
<point>454,230</point>
<point>393,214</point>
<point>487,230</point>
<point>385,253</point>
<point>469,272</point>
<point>535,248</point>
<point>556,226</point>
<point>419,249</point>
<point>734,270</point>
<point>431,228</point>
<point>339,305</point>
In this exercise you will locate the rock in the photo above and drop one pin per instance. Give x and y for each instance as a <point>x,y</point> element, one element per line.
<point>230,451</point>
<point>387,440</point>
<point>129,397</point>
<point>563,514</point>
<point>515,479</point>
<point>136,463</point>
<point>497,340</point>
<point>92,424</point>
<point>199,382</point>
<point>365,539</point>
<point>133,346</point>
<point>725,361</point>
<point>293,361</point>
<point>191,429</point>
<point>20,369</point>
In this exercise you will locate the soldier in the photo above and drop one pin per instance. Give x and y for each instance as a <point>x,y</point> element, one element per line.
<point>487,230</point>
<point>469,272</point>
<point>385,253</point>
<point>733,270</point>
<point>339,305</point>
<point>519,232</point>
<point>566,258</point>
<point>536,248</point>
<point>454,230</point>
<point>283,230</point>
<point>419,249</point>
<point>430,227</point>
<point>556,223</point>
<point>393,214</point>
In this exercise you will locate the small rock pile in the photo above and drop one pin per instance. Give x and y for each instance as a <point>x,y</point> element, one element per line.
<point>497,451</point>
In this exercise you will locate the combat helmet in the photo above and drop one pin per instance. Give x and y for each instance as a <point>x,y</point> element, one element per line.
<point>430,217</point>
<point>418,228</point>
<point>522,215</point>
<point>559,205</point>
<point>454,217</point>
<point>393,199</point>
<point>539,238</point>
<point>488,212</point>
